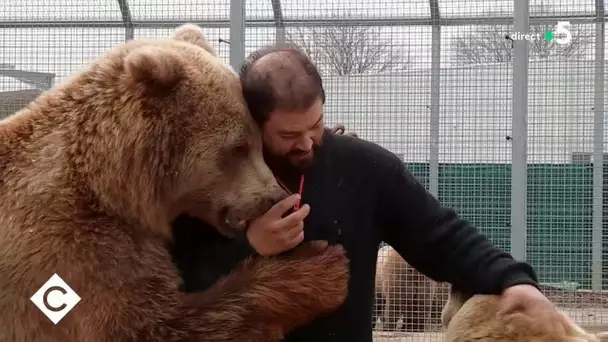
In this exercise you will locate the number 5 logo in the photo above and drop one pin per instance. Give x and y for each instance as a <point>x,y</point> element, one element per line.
<point>562,33</point>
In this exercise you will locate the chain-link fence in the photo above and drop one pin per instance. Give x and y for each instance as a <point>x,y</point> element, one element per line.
<point>506,128</point>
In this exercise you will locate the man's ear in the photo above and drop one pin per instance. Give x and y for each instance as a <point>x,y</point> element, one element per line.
<point>154,70</point>
<point>193,34</point>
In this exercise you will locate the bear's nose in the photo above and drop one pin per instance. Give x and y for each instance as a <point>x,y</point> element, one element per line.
<point>274,196</point>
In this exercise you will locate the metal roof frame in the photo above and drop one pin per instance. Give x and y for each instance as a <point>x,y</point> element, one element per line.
<point>280,23</point>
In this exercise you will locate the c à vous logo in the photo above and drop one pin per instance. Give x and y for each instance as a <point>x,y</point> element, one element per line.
<point>55,298</point>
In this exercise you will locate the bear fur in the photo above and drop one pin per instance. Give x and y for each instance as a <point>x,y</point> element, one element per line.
<point>474,319</point>
<point>93,172</point>
<point>403,292</point>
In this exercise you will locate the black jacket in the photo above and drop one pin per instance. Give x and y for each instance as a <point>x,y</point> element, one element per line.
<point>361,194</point>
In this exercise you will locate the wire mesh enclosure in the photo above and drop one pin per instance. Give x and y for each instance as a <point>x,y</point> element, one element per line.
<point>497,106</point>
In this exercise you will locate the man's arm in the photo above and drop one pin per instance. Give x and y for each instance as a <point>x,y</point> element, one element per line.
<point>441,245</point>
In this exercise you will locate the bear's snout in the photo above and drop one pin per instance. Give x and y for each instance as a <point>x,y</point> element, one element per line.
<point>275,195</point>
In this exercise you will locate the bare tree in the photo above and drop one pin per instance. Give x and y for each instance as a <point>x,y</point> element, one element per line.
<point>347,50</point>
<point>492,44</point>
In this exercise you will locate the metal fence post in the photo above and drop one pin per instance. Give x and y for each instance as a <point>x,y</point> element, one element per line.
<point>237,33</point>
<point>435,98</point>
<point>519,174</point>
<point>598,149</point>
<point>127,19</point>
<point>277,11</point>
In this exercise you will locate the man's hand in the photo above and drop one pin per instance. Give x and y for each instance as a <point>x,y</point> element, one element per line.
<point>530,300</point>
<point>271,234</point>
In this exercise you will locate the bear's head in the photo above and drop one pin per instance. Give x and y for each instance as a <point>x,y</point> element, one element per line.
<point>163,130</point>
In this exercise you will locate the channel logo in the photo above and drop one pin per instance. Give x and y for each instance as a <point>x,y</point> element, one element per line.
<point>561,34</point>
<point>55,298</point>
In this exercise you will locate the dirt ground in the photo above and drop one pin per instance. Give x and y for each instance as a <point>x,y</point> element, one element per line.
<point>592,319</point>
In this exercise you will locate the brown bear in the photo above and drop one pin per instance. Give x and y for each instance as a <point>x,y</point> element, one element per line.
<point>93,172</point>
<point>474,319</point>
<point>404,292</point>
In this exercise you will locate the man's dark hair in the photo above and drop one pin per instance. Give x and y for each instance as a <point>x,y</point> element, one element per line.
<point>287,79</point>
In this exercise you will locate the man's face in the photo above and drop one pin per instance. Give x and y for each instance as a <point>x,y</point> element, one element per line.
<point>291,138</point>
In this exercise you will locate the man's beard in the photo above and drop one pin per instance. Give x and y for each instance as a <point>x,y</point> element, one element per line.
<point>284,165</point>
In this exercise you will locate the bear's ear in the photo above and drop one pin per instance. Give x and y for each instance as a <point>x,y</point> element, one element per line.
<point>193,34</point>
<point>155,70</point>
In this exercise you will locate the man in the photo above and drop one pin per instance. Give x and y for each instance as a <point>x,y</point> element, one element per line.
<point>348,191</point>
